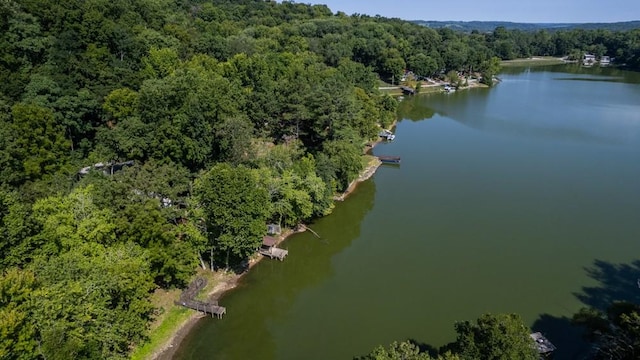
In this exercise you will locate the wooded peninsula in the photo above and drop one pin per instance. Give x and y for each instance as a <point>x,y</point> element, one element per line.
<point>142,140</point>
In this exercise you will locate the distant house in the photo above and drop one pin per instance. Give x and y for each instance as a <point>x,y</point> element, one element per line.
<point>107,169</point>
<point>588,59</point>
<point>605,60</point>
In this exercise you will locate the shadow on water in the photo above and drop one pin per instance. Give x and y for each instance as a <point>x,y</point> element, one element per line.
<point>616,282</point>
<point>424,347</point>
<point>564,335</point>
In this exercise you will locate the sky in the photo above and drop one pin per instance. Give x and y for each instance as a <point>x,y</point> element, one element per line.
<point>528,11</point>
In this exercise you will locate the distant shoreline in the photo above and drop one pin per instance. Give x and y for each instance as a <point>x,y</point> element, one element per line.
<point>536,60</point>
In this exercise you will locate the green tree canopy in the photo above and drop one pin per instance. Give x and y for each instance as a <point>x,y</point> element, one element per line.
<point>236,209</point>
<point>495,337</point>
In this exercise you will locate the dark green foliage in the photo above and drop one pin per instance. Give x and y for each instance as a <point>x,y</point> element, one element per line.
<point>616,333</point>
<point>236,209</point>
<point>405,350</point>
<point>18,330</point>
<point>92,302</point>
<point>235,113</point>
<point>495,337</point>
<point>491,337</point>
<point>32,154</point>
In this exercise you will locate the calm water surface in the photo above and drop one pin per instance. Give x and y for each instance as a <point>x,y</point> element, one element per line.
<point>523,198</point>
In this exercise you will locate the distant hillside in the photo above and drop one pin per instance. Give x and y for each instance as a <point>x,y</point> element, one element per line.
<point>485,26</point>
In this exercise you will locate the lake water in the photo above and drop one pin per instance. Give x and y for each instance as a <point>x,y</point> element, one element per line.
<point>521,198</point>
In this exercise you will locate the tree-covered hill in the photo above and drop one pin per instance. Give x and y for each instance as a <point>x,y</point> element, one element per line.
<point>142,139</point>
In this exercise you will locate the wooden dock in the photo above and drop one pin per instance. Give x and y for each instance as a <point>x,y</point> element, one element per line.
<point>274,253</point>
<point>407,90</point>
<point>269,248</point>
<point>543,345</point>
<point>187,300</point>
<point>389,159</point>
<point>206,307</point>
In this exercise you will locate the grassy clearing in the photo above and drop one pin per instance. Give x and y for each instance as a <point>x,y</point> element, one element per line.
<point>171,317</point>
<point>392,92</point>
<point>368,161</point>
<point>166,326</point>
<point>533,61</point>
<point>430,89</point>
<point>385,84</point>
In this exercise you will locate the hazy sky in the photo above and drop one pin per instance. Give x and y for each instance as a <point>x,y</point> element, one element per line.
<point>538,11</point>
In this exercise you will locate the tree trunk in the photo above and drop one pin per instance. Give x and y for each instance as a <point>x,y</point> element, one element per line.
<point>202,263</point>
<point>211,258</point>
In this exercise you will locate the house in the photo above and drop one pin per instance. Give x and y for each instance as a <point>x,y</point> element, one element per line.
<point>274,229</point>
<point>107,169</point>
<point>605,60</point>
<point>588,59</point>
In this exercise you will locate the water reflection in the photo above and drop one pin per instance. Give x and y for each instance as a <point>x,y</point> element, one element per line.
<point>591,72</point>
<point>267,294</point>
<point>592,78</point>
<point>414,109</point>
<point>572,110</point>
<point>501,218</point>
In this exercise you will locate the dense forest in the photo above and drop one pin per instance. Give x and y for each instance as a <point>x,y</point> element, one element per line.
<point>140,140</point>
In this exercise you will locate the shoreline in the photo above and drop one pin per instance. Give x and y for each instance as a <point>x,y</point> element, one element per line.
<point>231,280</point>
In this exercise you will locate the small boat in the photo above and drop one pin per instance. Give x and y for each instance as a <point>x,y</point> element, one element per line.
<point>389,159</point>
<point>387,135</point>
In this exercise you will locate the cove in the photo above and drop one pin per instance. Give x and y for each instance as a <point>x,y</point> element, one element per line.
<point>521,198</point>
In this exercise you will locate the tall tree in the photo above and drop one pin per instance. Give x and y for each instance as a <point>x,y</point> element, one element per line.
<point>236,210</point>
<point>615,333</point>
<point>495,337</point>
<point>29,155</point>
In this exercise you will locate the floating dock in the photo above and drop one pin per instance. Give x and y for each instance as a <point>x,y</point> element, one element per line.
<point>407,90</point>
<point>389,159</point>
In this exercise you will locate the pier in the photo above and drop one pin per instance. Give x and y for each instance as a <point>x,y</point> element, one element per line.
<point>408,90</point>
<point>543,345</point>
<point>269,249</point>
<point>187,300</point>
<point>389,159</point>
